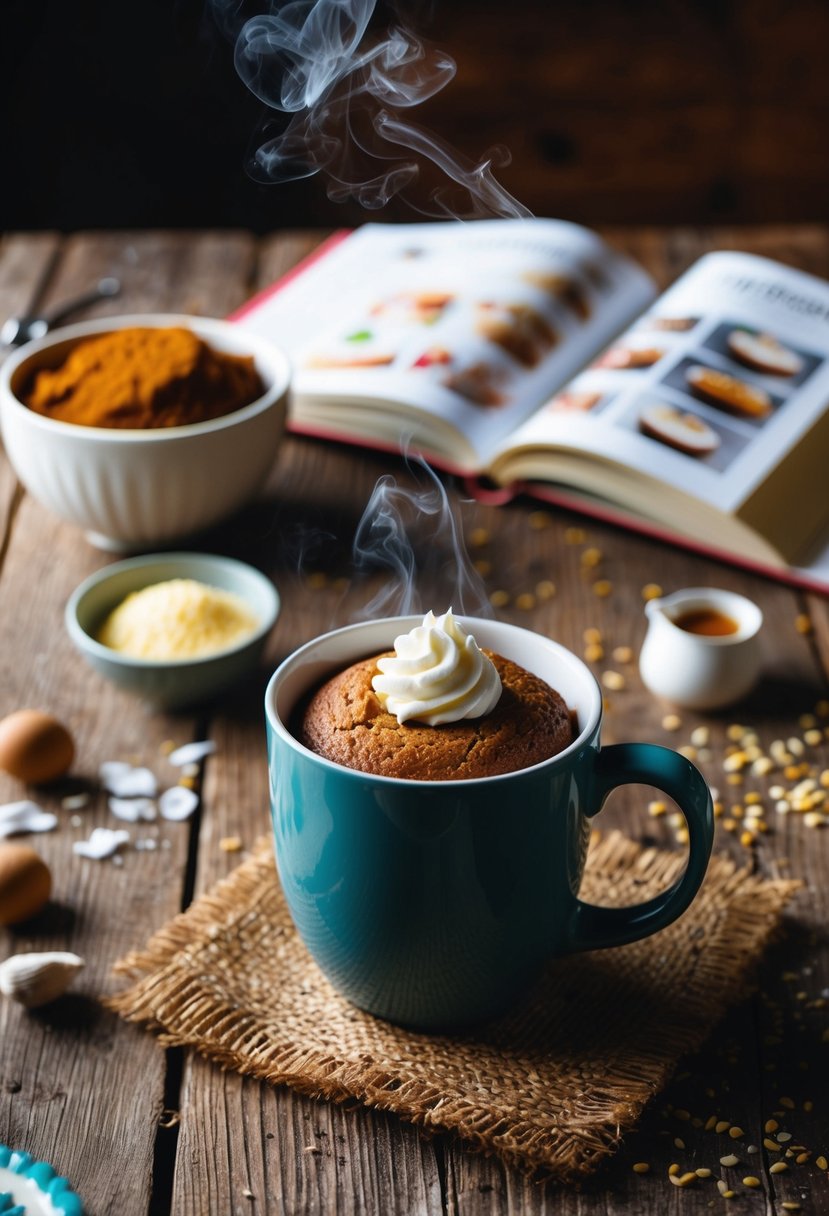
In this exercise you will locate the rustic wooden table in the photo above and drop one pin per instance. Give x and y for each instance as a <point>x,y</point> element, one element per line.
<point>140,1129</point>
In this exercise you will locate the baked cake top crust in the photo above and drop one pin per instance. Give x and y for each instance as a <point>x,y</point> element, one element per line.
<point>344,721</point>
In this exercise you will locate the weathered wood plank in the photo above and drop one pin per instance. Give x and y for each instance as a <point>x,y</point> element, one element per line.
<point>76,1075</point>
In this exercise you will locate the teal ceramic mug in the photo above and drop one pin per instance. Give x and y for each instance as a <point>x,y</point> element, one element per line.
<point>432,903</point>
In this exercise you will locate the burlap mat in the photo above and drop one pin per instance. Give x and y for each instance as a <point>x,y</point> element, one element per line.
<point>554,1085</point>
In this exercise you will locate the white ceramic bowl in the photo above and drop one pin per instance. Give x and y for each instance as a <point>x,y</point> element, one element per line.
<point>134,489</point>
<point>168,683</point>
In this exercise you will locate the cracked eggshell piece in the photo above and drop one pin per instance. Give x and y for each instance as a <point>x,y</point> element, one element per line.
<point>133,810</point>
<point>104,842</point>
<point>17,818</point>
<point>36,979</point>
<point>764,353</point>
<point>191,753</point>
<point>685,432</point>
<point>178,802</point>
<point>124,781</point>
<point>34,1187</point>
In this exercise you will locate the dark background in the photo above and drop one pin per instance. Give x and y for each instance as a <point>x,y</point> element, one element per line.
<point>125,113</point>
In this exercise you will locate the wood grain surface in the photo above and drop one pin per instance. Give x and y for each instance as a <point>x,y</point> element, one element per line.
<point>145,1130</point>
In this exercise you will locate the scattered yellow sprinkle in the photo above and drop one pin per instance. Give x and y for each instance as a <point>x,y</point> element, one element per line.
<point>538,520</point>
<point>525,602</point>
<point>591,557</point>
<point>747,839</point>
<point>770,1144</point>
<point>671,722</point>
<point>772,1124</point>
<point>545,590</point>
<point>651,591</point>
<point>734,778</point>
<point>479,537</point>
<point>729,1160</point>
<point>167,746</point>
<point>656,809</point>
<point>813,737</point>
<point>736,1133</point>
<point>641,1167</point>
<point>574,536</point>
<point>499,599</point>
<point>683,1179</point>
<point>592,634</point>
<point>682,1114</point>
<point>613,680</point>
<point>751,1181</point>
<point>317,579</point>
<point>679,1142</point>
<point>602,588</point>
<point>803,623</point>
<point>593,653</point>
<point>703,1172</point>
<point>822,1163</point>
<point>779,1167</point>
<point>623,654</point>
<point>700,736</point>
<point>484,567</point>
<point>673,1169</point>
<point>802,1158</point>
<point>789,1206</point>
<point>787,1103</point>
<point>189,783</point>
<point>230,844</point>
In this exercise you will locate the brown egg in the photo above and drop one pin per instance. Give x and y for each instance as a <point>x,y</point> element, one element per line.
<point>34,746</point>
<point>25,883</point>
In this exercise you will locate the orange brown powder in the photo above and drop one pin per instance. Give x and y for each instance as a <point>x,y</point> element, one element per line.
<point>144,378</point>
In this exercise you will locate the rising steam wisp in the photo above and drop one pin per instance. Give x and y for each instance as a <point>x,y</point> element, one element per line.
<point>344,92</point>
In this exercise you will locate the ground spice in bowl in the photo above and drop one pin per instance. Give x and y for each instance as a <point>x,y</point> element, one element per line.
<point>143,378</point>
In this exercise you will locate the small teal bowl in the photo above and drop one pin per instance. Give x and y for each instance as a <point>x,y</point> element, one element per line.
<point>171,683</point>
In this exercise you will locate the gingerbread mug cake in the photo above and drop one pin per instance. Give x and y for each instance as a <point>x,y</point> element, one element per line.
<point>437,708</point>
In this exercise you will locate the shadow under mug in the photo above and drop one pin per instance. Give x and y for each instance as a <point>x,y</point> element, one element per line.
<point>433,903</point>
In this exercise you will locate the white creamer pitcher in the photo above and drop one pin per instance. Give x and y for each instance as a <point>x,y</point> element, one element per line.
<point>699,671</point>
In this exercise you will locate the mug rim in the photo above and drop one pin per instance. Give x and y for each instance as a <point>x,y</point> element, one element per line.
<point>401,623</point>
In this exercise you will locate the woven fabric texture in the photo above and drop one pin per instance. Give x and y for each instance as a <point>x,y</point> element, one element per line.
<point>554,1085</point>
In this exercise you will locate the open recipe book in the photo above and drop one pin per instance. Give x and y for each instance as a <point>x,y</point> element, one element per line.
<point>527,355</point>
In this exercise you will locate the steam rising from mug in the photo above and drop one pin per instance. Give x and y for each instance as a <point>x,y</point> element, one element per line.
<point>415,536</point>
<point>345,94</point>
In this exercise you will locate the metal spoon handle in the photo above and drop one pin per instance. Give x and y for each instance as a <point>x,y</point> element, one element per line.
<point>105,287</point>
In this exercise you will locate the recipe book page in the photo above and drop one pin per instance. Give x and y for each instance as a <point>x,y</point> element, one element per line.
<point>470,324</point>
<point>708,390</point>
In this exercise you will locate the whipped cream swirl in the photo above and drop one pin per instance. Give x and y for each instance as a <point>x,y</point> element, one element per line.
<point>437,674</point>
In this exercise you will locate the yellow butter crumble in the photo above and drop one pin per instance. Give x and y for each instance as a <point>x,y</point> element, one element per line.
<point>177,619</point>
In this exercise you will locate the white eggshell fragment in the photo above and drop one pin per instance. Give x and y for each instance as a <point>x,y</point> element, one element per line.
<point>35,979</point>
<point>133,810</point>
<point>25,816</point>
<point>192,753</point>
<point>103,842</point>
<point>178,802</point>
<point>124,781</point>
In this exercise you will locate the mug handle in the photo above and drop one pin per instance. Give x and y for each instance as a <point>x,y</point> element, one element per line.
<point>648,764</point>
